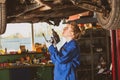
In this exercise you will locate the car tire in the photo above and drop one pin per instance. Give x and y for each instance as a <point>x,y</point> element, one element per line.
<point>2,18</point>
<point>111,21</point>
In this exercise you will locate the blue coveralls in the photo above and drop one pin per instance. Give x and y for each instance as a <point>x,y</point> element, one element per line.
<point>65,60</point>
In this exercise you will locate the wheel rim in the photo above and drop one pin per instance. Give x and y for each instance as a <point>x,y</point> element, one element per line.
<point>105,18</point>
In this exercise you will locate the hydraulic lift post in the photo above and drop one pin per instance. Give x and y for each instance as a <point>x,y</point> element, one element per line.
<point>115,49</point>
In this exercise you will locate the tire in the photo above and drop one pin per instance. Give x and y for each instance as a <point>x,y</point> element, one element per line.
<point>2,18</point>
<point>112,20</point>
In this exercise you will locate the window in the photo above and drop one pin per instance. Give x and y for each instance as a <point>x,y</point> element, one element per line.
<point>21,34</point>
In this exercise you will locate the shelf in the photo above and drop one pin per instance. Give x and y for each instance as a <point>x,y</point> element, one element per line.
<point>85,53</point>
<point>27,66</point>
<point>94,44</point>
<point>83,70</point>
<point>28,53</point>
<point>17,66</point>
<point>99,38</point>
<point>88,38</point>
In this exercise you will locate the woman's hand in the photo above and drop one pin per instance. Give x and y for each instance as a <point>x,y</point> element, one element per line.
<point>48,44</point>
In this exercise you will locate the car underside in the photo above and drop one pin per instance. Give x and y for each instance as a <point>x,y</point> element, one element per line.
<point>45,11</point>
<point>53,11</point>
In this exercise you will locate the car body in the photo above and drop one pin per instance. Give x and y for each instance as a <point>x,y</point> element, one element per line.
<point>53,11</point>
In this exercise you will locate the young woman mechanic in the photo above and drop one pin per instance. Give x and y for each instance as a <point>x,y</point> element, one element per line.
<point>67,58</point>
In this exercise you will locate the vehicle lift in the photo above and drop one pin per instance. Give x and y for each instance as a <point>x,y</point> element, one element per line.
<point>115,53</point>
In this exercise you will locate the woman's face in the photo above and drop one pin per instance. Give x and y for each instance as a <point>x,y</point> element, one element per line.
<point>68,31</point>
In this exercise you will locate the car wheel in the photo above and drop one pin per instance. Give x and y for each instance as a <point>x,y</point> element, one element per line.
<point>2,18</point>
<point>110,20</point>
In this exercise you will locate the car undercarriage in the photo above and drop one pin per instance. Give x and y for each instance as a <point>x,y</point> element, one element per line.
<point>32,11</point>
